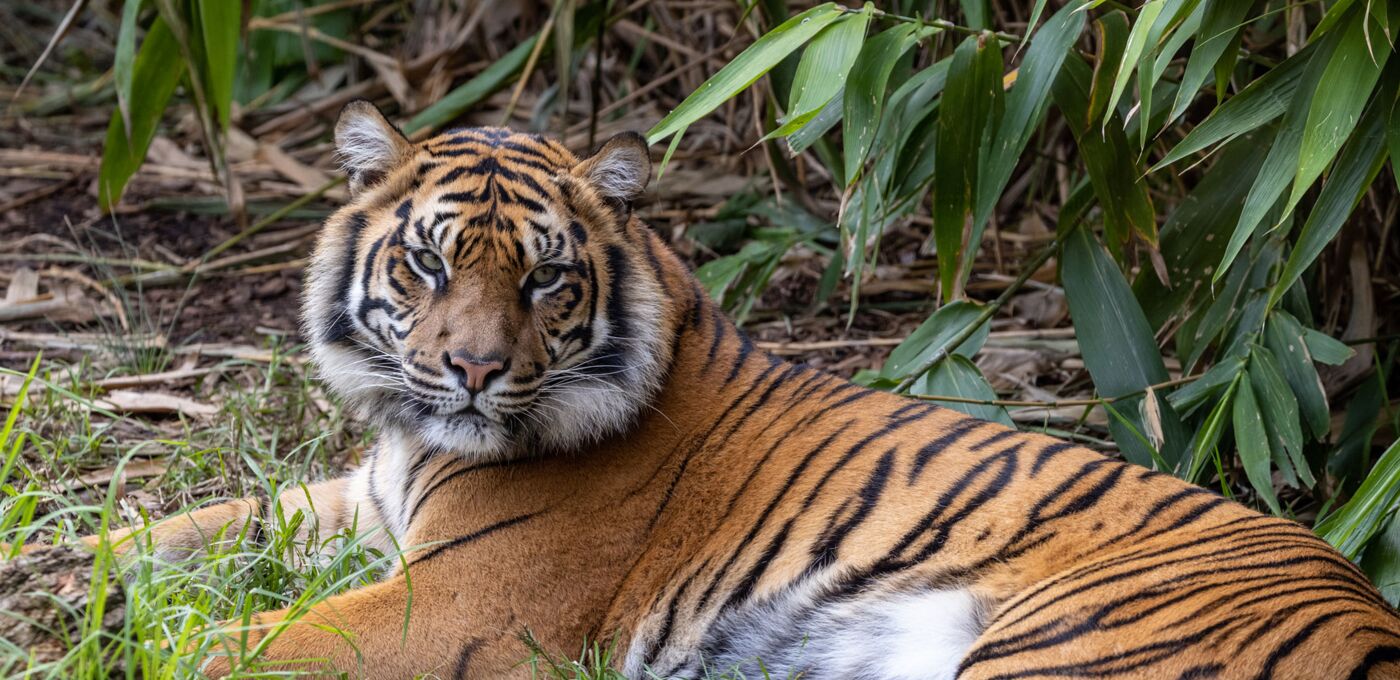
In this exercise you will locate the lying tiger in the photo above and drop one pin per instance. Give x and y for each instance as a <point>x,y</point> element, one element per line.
<point>582,444</point>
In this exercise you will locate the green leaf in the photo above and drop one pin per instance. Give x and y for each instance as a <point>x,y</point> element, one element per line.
<point>1111,33</point>
<point>864,97</point>
<point>1282,162</point>
<point>155,74</point>
<point>1381,561</point>
<point>1117,344</point>
<point>1208,437</point>
<point>1114,338</point>
<point>1192,396</point>
<point>1036,11</point>
<point>1345,86</point>
<point>826,119</point>
<point>1327,349</point>
<point>1138,40</point>
<point>1258,103</point>
<point>749,66</point>
<point>1253,443</point>
<point>1193,237</point>
<point>1222,21</point>
<point>481,86</point>
<point>1280,409</point>
<point>1351,177</point>
<point>1392,140</point>
<point>220,22</point>
<point>933,336</point>
<point>1117,181</point>
<point>1350,527</point>
<point>969,103</point>
<point>959,377</point>
<point>822,71</point>
<point>124,58</point>
<point>1026,103</point>
<point>1284,337</point>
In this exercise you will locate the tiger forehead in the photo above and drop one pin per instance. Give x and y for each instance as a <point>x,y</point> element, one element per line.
<point>501,145</point>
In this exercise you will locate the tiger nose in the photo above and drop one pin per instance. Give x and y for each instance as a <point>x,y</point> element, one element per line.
<point>474,371</point>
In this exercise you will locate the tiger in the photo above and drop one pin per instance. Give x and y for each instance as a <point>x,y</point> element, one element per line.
<point>573,439</point>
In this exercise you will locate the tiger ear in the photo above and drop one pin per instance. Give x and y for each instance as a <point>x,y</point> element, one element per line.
<point>619,169</point>
<point>367,145</point>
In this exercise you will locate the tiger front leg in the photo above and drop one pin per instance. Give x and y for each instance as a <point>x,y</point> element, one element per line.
<point>324,505</point>
<point>403,627</point>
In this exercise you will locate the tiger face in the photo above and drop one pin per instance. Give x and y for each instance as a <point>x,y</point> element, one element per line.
<point>480,294</point>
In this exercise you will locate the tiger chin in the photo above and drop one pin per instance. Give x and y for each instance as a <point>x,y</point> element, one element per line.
<point>574,440</point>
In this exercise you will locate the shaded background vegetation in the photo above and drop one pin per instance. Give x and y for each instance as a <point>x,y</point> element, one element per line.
<point>1162,230</point>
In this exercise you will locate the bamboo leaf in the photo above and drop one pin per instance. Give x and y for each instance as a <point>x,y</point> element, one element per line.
<point>1026,103</point>
<point>1219,26</point>
<point>1208,437</point>
<point>933,336</point>
<point>1280,410</point>
<point>959,377</point>
<point>219,22</point>
<point>1350,527</point>
<point>1115,341</point>
<point>864,97</point>
<point>969,102</point>
<point>155,74</point>
<point>1327,349</point>
<point>1258,103</point>
<point>1194,234</point>
<point>1284,337</point>
<point>1111,33</point>
<point>124,59</point>
<point>1253,443</point>
<point>1117,181</point>
<point>1220,376</point>
<point>1114,337</point>
<point>749,66</point>
<point>1360,162</point>
<point>1342,92</point>
<point>1138,40</point>
<point>1281,165</point>
<point>823,69</point>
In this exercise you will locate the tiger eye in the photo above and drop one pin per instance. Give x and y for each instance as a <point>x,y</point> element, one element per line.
<point>545,275</point>
<point>428,260</point>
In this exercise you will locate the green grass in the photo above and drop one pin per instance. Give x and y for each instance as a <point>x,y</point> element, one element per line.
<point>274,430</point>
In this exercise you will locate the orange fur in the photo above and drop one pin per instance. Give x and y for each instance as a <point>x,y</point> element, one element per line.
<point>744,477</point>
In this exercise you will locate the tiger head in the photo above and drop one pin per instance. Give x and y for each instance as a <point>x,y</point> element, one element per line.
<point>484,291</point>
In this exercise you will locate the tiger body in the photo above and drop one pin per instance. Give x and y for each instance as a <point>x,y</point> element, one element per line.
<point>623,465</point>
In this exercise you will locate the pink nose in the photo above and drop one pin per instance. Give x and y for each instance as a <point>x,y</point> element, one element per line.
<point>475,372</point>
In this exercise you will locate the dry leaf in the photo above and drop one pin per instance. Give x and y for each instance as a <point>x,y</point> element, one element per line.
<point>128,401</point>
